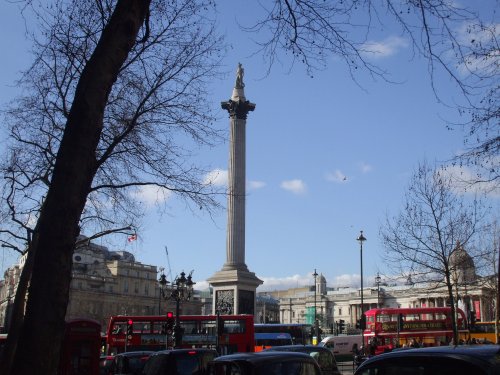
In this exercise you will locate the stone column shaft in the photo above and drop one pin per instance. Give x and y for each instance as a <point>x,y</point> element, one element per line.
<point>235,241</point>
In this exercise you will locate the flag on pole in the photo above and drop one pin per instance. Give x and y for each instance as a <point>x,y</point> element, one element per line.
<point>132,237</point>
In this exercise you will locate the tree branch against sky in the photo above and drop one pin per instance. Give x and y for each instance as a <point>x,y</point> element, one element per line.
<point>158,111</point>
<point>458,40</point>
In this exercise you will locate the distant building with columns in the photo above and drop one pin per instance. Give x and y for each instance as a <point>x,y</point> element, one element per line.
<point>475,295</point>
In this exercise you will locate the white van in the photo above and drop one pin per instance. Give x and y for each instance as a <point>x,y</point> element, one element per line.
<point>342,346</point>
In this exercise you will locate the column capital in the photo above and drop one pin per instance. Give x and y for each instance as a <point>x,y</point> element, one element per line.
<point>238,108</point>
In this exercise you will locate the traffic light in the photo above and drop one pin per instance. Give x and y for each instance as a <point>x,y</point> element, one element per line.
<point>130,327</point>
<point>170,323</point>
<point>341,325</point>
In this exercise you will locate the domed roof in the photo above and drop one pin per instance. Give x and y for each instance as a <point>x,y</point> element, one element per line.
<point>462,264</point>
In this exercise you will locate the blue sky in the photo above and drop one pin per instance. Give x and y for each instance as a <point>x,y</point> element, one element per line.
<point>326,158</point>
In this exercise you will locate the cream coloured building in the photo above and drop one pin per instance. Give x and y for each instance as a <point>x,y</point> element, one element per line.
<point>475,295</point>
<point>104,283</point>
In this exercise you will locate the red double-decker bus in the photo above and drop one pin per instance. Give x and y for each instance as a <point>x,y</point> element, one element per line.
<point>387,328</point>
<point>198,331</point>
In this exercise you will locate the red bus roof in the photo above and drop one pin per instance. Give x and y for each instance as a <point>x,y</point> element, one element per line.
<point>410,310</point>
<point>125,318</point>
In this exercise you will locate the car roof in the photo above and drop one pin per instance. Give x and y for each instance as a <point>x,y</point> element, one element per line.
<point>264,356</point>
<point>298,348</point>
<point>474,353</point>
<point>135,353</point>
<point>180,351</point>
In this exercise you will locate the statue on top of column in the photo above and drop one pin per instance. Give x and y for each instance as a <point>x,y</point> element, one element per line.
<point>239,77</point>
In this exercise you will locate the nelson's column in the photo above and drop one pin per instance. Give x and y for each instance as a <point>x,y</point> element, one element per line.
<point>234,286</point>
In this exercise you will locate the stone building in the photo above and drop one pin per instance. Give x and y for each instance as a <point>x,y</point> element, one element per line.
<point>104,283</point>
<point>472,293</point>
<point>267,309</point>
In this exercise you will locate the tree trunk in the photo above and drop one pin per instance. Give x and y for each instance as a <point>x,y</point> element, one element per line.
<point>497,307</point>
<point>17,317</point>
<point>39,344</point>
<point>453,310</point>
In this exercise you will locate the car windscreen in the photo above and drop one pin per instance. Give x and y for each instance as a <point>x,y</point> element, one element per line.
<point>185,363</point>
<point>136,364</point>
<point>288,368</point>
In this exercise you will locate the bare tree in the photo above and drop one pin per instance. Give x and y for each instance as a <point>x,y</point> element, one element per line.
<point>422,238</point>
<point>110,88</point>
<point>489,261</point>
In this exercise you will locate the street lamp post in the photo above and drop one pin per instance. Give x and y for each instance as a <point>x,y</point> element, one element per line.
<point>181,291</point>
<point>316,330</point>
<point>361,239</point>
<point>377,281</point>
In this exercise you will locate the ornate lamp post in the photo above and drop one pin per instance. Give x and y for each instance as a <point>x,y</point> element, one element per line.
<point>181,291</point>
<point>162,284</point>
<point>361,239</point>
<point>377,282</point>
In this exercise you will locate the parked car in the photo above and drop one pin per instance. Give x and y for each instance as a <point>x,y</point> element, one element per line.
<point>105,364</point>
<point>179,362</point>
<point>264,363</point>
<point>129,363</point>
<point>437,360</point>
<point>324,357</point>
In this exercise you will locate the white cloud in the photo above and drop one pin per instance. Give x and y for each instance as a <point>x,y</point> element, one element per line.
<point>150,195</point>
<point>254,185</point>
<point>202,285</point>
<point>217,177</point>
<point>365,168</point>
<point>295,186</point>
<point>277,283</point>
<point>384,48</point>
<point>336,176</point>
<point>485,35</point>
<point>464,182</point>
<point>300,281</point>
<point>343,281</point>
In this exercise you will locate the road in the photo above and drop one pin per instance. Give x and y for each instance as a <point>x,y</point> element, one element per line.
<point>345,368</point>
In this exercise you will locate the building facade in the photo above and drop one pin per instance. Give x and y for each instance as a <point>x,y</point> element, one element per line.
<point>475,295</point>
<point>104,283</point>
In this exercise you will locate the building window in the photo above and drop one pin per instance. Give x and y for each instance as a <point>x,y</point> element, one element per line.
<point>110,288</point>
<point>136,288</point>
<point>146,289</point>
<point>340,310</point>
<point>125,286</point>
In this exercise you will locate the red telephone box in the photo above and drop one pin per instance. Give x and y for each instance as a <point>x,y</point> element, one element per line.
<point>81,348</point>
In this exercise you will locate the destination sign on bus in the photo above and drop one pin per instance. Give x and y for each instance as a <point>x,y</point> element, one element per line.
<point>414,326</point>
